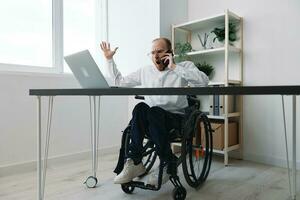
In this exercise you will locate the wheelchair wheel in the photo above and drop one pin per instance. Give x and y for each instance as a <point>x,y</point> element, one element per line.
<point>127,188</point>
<point>196,149</point>
<point>179,193</point>
<point>149,157</point>
<point>149,154</point>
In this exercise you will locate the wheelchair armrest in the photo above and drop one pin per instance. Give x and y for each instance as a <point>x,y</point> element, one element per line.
<point>139,97</point>
<point>193,101</point>
<point>193,98</point>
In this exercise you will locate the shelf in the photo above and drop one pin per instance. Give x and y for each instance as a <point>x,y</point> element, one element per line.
<point>234,147</point>
<point>213,21</point>
<point>233,16</point>
<point>235,114</point>
<point>235,82</point>
<point>231,82</point>
<point>231,148</point>
<point>213,51</point>
<point>216,117</point>
<point>230,115</point>
<point>207,51</point>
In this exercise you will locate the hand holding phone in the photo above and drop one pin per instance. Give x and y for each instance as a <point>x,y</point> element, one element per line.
<point>166,58</point>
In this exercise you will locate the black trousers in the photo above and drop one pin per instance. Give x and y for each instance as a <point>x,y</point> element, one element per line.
<point>156,123</point>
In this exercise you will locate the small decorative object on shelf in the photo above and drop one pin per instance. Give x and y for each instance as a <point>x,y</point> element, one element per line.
<point>206,68</point>
<point>220,33</point>
<point>181,50</point>
<point>204,42</point>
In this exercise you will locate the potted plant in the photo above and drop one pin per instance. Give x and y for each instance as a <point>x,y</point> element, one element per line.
<point>206,68</point>
<point>220,33</point>
<point>181,51</point>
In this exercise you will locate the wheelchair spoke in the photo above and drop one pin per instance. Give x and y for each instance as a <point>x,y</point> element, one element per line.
<point>196,166</point>
<point>145,153</point>
<point>197,163</point>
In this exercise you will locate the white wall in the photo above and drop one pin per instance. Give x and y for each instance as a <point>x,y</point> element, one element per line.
<point>133,24</point>
<point>133,29</point>
<point>70,125</point>
<point>271,57</point>
<point>171,12</point>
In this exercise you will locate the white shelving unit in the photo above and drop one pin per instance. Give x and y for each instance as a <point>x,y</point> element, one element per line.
<point>227,59</point>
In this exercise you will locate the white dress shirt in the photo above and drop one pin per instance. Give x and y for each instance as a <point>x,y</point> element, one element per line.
<point>185,74</point>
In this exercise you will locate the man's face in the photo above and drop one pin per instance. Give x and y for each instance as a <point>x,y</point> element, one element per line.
<point>159,49</point>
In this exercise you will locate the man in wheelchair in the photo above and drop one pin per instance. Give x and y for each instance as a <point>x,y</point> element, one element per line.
<point>159,114</point>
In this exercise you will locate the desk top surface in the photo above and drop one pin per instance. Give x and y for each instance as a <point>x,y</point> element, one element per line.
<point>231,90</point>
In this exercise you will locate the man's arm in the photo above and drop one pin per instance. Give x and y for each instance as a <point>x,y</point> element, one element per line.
<point>188,71</point>
<point>133,79</point>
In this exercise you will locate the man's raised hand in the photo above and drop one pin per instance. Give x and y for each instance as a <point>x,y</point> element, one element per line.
<point>107,52</point>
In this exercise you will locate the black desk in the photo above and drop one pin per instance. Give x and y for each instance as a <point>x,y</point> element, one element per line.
<point>94,95</point>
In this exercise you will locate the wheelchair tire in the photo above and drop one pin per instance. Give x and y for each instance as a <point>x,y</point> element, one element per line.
<point>197,157</point>
<point>127,188</point>
<point>179,193</point>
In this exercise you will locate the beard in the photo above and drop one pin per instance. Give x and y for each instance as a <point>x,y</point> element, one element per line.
<point>160,65</point>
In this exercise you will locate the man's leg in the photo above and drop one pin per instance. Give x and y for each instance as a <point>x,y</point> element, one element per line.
<point>133,166</point>
<point>139,124</point>
<point>160,123</point>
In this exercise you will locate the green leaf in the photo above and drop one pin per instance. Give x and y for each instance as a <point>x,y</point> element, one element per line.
<point>205,67</point>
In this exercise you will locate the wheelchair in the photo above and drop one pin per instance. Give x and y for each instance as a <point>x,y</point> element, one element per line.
<point>195,137</point>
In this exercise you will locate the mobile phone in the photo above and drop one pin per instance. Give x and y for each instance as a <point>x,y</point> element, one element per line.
<point>166,62</point>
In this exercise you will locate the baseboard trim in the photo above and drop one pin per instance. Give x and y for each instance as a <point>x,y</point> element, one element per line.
<point>269,160</point>
<point>30,166</point>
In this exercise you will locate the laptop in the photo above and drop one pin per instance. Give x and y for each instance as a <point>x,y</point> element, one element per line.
<point>86,70</point>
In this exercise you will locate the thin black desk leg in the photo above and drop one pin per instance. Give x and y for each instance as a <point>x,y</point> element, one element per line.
<point>94,101</point>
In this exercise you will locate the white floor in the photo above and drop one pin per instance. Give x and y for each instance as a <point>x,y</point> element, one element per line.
<point>242,180</point>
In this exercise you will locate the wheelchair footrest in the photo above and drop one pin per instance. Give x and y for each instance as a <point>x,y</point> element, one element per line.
<point>141,185</point>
